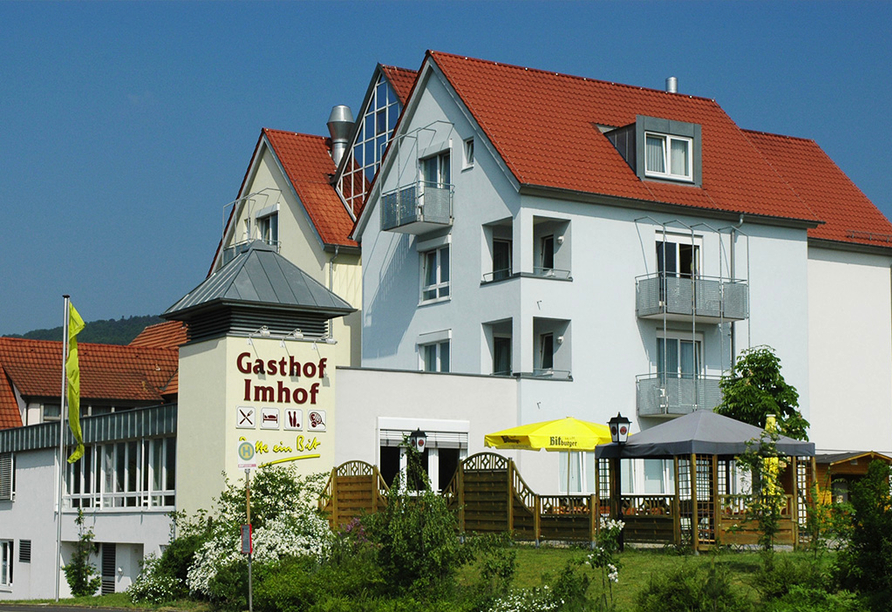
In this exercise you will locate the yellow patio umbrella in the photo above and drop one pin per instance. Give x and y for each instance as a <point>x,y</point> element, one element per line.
<point>567,434</point>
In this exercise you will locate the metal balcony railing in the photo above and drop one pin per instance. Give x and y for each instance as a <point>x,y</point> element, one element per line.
<point>418,208</point>
<point>684,297</point>
<point>670,395</point>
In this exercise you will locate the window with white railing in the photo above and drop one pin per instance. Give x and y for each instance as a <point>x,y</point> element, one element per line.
<point>131,474</point>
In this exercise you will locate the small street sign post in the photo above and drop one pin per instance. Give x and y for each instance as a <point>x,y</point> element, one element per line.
<point>246,461</point>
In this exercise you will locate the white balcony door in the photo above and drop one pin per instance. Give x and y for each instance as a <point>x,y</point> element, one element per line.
<point>677,358</point>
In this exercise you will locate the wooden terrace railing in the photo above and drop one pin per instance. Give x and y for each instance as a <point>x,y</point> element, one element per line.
<point>352,488</point>
<point>489,495</point>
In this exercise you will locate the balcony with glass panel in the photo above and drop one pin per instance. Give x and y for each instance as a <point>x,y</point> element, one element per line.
<point>679,297</point>
<point>663,395</point>
<point>418,208</point>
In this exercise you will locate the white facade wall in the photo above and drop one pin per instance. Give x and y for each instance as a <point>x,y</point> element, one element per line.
<point>605,248</point>
<point>850,351</point>
<point>478,405</point>
<point>31,516</point>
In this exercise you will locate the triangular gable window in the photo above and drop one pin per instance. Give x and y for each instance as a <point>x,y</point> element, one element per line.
<point>374,130</point>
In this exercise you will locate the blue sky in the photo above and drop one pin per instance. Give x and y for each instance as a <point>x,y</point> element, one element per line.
<point>125,127</point>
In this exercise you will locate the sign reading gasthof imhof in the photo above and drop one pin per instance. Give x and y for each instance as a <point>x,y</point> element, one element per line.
<point>260,389</point>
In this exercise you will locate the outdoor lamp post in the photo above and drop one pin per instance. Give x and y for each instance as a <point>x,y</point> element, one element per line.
<point>414,469</point>
<point>418,440</point>
<point>619,433</point>
<point>619,428</point>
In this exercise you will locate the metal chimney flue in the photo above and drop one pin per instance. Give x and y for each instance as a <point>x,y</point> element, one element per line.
<point>672,85</point>
<point>340,123</point>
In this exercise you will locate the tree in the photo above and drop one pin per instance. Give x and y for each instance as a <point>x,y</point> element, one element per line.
<point>754,388</point>
<point>865,565</point>
<point>79,572</point>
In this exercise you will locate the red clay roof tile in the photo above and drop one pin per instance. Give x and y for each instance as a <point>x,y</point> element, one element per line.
<point>309,166</point>
<point>401,79</point>
<point>170,334</point>
<point>848,214</point>
<point>545,127</point>
<point>112,372</point>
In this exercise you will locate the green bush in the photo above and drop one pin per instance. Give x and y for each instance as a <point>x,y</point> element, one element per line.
<point>177,557</point>
<point>228,588</point>
<point>79,572</point>
<point>526,600</point>
<point>570,588</point>
<point>865,564</point>
<point>810,599</point>
<point>779,574</point>
<point>691,588</point>
<point>494,563</point>
<point>153,585</point>
<point>416,540</point>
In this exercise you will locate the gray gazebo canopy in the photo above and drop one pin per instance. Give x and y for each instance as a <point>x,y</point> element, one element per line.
<point>702,432</point>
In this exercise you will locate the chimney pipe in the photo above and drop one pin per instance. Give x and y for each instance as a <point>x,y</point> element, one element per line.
<point>672,85</point>
<point>340,122</point>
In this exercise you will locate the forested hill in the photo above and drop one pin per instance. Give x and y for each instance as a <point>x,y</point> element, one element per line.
<point>111,331</point>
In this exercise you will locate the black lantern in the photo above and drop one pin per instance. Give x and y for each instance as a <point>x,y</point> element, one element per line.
<point>418,440</point>
<point>619,428</point>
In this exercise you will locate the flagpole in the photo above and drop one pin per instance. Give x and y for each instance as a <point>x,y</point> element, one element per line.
<point>62,412</point>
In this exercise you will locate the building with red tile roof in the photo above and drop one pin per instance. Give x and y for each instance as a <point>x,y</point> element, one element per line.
<point>170,334</point>
<point>533,245</point>
<point>616,247</point>
<point>112,378</point>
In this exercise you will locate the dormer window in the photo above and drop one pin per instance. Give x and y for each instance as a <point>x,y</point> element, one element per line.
<point>668,156</point>
<point>660,149</point>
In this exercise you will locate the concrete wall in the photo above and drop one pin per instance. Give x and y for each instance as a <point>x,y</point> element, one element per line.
<point>850,350</point>
<point>31,516</point>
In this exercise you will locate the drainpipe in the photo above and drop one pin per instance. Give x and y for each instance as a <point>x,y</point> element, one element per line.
<point>331,281</point>
<point>331,269</point>
<point>733,338</point>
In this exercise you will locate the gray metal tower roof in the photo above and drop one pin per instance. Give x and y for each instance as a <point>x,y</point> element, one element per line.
<point>259,277</point>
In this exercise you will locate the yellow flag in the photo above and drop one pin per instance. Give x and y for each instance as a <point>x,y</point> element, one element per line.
<point>73,374</point>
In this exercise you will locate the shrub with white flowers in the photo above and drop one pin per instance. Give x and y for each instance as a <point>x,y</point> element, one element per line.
<point>603,556</point>
<point>285,523</point>
<point>152,586</point>
<point>527,600</point>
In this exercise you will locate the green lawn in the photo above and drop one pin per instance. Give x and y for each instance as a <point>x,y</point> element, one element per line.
<point>534,565</point>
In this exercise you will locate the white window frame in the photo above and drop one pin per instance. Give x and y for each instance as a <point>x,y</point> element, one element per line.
<point>502,273</point>
<point>441,165</point>
<point>6,560</point>
<point>435,346</point>
<point>267,220</point>
<point>674,242</point>
<point>498,338</point>
<point>125,475</point>
<point>667,140</point>
<point>439,289</point>
<point>546,351</point>
<point>468,154</point>
<point>547,252</point>
<point>697,342</point>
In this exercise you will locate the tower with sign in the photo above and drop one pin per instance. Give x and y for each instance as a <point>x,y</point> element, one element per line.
<point>258,373</point>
